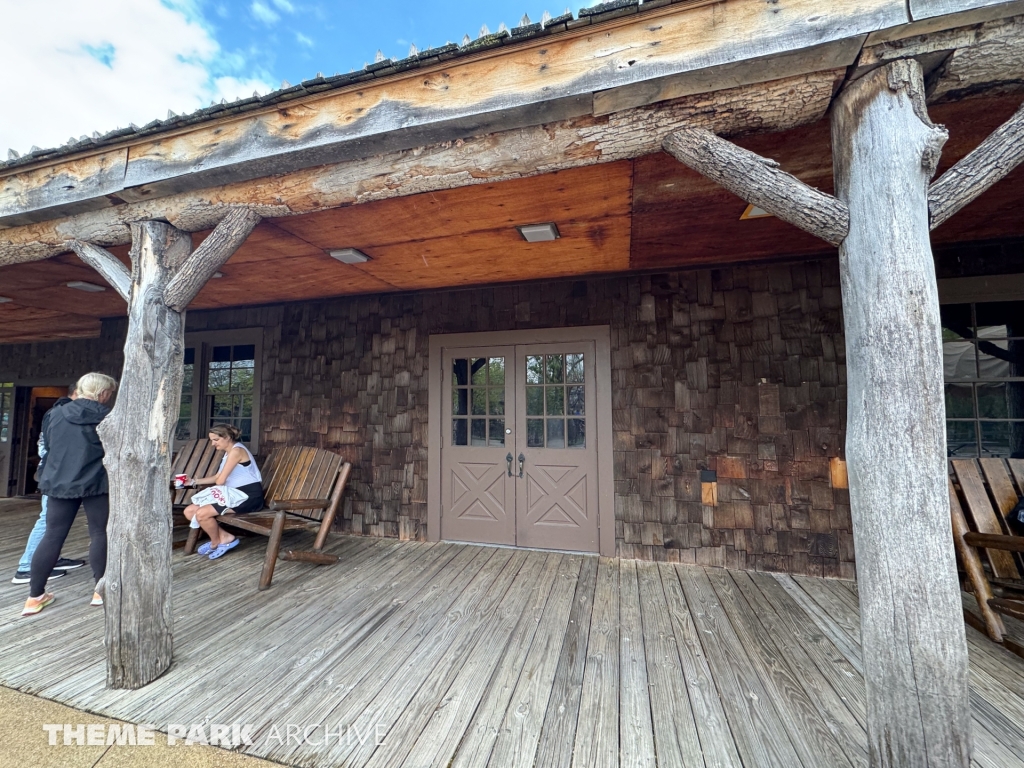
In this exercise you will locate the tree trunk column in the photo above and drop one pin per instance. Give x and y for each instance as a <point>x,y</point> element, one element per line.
<point>915,653</point>
<point>137,438</point>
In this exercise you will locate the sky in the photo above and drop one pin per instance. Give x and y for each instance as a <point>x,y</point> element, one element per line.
<point>69,68</point>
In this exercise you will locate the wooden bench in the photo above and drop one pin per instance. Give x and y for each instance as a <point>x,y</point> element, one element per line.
<point>302,489</point>
<point>195,458</point>
<point>987,493</point>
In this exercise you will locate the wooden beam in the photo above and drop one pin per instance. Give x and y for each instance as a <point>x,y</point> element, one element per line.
<point>968,60</point>
<point>912,633</point>
<point>990,162</point>
<point>107,264</point>
<point>933,24</point>
<point>760,181</point>
<point>209,257</point>
<point>778,105</point>
<point>538,82</point>
<point>840,53</point>
<point>929,9</point>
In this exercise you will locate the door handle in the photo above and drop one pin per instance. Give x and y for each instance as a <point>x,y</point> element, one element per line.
<point>509,460</point>
<point>522,460</point>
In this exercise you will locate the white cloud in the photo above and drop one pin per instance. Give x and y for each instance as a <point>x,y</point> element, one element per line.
<point>284,5</point>
<point>73,69</point>
<point>264,12</point>
<point>303,40</point>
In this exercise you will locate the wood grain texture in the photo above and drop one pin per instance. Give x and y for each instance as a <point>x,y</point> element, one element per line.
<point>975,571</point>
<point>989,162</point>
<point>201,264</point>
<point>915,657</point>
<point>926,9</point>
<point>541,81</point>
<point>760,181</point>
<point>494,157</point>
<point>138,460</point>
<point>104,262</point>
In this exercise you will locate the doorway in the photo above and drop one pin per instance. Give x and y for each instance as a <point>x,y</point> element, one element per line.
<point>32,403</point>
<point>518,438</point>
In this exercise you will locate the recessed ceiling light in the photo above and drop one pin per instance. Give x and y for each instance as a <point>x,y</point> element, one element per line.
<point>539,233</point>
<point>5,300</point>
<point>218,274</point>
<point>349,256</point>
<point>753,212</point>
<point>84,286</point>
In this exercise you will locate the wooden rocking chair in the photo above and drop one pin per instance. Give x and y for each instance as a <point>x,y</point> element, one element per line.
<point>990,533</point>
<point>303,490</point>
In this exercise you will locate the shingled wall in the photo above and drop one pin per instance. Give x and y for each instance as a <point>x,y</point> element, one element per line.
<point>737,371</point>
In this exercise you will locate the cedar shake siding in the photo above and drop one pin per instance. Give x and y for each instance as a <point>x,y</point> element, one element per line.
<point>737,371</point>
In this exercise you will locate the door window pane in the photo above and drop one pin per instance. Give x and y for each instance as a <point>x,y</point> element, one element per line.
<point>562,392</point>
<point>535,369</point>
<point>535,433</point>
<point>577,433</point>
<point>478,390</point>
<point>534,401</point>
<point>496,434</point>
<point>556,433</point>
<point>556,401</point>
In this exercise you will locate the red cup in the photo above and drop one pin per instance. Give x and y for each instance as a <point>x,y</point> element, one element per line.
<point>180,480</point>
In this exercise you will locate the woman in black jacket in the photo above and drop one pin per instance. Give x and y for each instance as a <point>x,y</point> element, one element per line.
<point>73,476</point>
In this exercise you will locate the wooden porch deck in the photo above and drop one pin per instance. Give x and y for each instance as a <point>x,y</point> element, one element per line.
<point>471,656</point>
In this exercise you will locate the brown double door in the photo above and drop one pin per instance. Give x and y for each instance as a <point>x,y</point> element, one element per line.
<point>519,446</point>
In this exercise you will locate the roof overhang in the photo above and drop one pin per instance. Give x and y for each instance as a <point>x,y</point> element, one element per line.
<point>666,51</point>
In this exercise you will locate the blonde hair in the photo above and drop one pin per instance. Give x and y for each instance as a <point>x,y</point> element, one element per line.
<point>92,385</point>
<point>226,430</point>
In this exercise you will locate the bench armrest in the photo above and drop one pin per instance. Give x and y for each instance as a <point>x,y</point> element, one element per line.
<point>995,541</point>
<point>286,504</point>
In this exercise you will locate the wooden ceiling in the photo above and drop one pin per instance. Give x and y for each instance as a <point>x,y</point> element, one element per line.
<point>651,213</point>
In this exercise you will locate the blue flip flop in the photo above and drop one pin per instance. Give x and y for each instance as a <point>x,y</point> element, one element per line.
<point>223,549</point>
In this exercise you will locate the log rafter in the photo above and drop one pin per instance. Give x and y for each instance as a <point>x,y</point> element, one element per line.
<point>987,164</point>
<point>761,181</point>
<point>107,264</point>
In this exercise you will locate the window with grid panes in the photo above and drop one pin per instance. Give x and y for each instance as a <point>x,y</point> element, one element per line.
<point>983,372</point>
<point>555,401</point>
<point>230,387</point>
<point>478,401</point>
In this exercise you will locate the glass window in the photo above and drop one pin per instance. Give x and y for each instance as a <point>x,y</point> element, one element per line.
<point>983,367</point>
<point>184,429</point>
<point>231,387</point>
<point>6,403</point>
<point>555,390</point>
<point>478,390</point>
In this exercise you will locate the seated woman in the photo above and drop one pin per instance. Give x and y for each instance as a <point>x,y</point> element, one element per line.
<point>237,470</point>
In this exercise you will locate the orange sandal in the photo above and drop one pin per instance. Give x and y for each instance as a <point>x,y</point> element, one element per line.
<point>35,604</point>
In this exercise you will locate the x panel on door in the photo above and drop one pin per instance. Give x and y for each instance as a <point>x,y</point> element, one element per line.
<point>519,446</point>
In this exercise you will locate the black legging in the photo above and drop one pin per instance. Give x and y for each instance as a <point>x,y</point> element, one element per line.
<point>60,514</point>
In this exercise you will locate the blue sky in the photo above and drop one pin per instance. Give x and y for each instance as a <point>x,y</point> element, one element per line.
<point>75,67</point>
<point>294,40</point>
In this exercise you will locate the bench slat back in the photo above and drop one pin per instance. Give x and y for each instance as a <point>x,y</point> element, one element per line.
<point>301,472</point>
<point>987,519</point>
<point>195,458</point>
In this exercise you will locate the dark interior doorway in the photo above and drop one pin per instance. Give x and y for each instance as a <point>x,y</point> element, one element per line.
<point>41,399</point>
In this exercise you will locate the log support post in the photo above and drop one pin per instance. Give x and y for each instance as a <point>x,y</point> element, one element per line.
<point>912,632</point>
<point>886,151</point>
<point>166,274</point>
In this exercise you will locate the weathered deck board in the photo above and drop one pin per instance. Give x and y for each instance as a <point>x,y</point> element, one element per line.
<point>470,656</point>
